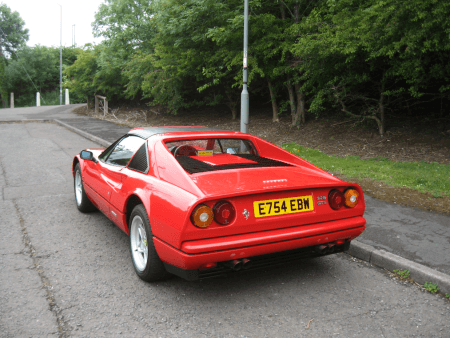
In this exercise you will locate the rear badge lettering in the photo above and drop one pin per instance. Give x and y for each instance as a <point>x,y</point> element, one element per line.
<point>321,200</point>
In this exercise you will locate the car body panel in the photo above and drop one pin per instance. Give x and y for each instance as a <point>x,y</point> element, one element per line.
<point>170,194</point>
<point>180,259</point>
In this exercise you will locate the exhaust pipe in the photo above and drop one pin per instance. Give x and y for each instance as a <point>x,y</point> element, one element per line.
<point>235,264</point>
<point>246,263</point>
<point>321,249</point>
<point>330,248</point>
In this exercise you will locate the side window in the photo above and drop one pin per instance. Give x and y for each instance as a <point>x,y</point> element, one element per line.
<point>124,150</point>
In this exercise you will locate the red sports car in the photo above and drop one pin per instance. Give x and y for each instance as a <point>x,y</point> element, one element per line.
<point>198,202</point>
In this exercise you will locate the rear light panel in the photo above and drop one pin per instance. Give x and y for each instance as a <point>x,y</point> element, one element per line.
<point>337,199</point>
<point>222,213</point>
<point>202,216</point>
<point>351,197</point>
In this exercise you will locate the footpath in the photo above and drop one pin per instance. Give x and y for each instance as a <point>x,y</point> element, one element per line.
<point>396,237</point>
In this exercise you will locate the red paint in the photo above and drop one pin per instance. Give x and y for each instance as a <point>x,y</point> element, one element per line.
<point>186,261</point>
<point>169,194</point>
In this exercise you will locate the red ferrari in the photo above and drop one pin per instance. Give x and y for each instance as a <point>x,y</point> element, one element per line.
<point>198,202</point>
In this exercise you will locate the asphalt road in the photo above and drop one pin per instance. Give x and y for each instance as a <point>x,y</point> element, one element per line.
<point>64,273</point>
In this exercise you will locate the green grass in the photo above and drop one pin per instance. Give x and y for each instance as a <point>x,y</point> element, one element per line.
<point>431,287</point>
<point>403,274</point>
<point>424,177</point>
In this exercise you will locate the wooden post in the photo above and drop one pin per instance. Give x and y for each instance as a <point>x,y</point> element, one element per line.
<point>88,103</point>
<point>105,107</point>
<point>12,100</point>
<point>96,104</point>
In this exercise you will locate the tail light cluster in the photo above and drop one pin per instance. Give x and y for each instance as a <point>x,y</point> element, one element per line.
<point>223,213</point>
<point>337,198</point>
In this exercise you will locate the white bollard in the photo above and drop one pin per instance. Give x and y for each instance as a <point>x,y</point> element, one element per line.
<point>38,99</point>
<point>67,96</point>
<point>11,100</point>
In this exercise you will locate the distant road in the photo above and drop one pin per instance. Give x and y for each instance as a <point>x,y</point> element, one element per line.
<point>43,112</point>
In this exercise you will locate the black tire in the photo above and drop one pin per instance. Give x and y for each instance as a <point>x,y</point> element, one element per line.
<point>146,262</point>
<point>83,202</point>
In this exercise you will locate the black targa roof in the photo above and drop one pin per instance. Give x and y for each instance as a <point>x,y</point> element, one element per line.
<point>145,133</point>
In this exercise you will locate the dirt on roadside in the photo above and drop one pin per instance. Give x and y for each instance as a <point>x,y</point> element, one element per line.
<point>332,137</point>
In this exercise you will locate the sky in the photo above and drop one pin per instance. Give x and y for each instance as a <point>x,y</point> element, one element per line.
<point>43,19</point>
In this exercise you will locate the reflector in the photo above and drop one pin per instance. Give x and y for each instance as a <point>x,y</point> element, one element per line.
<point>224,212</point>
<point>336,199</point>
<point>351,197</point>
<point>202,216</point>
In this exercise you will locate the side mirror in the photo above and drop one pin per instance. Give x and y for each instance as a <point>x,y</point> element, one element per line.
<point>87,155</point>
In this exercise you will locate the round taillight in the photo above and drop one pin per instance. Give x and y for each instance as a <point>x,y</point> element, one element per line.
<point>224,212</point>
<point>336,199</point>
<point>351,197</point>
<point>202,216</point>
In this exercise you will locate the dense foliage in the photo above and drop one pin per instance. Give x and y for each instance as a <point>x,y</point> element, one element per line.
<point>366,59</point>
<point>12,36</point>
<point>36,69</point>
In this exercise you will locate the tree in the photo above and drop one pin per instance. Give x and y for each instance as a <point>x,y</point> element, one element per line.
<point>34,69</point>
<point>369,54</point>
<point>80,75</point>
<point>12,36</point>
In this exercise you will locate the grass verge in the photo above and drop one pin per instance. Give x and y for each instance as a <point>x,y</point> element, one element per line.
<point>424,177</point>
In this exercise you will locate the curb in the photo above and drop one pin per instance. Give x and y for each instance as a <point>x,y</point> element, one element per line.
<point>27,121</point>
<point>386,260</point>
<point>380,258</point>
<point>84,134</point>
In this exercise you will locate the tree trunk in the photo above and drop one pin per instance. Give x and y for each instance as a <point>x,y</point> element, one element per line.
<point>232,105</point>
<point>382,127</point>
<point>283,12</point>
<point>291,98</point>
<point>299,115</point>
<point>291,95</point>
<point>274,102</point>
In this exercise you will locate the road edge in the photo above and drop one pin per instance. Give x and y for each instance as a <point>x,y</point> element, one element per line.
<point>383,259</point>
<point>386,260</point>
<point>90,137</point>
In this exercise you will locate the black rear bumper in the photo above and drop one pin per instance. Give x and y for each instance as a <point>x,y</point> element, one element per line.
<point>258,262</point>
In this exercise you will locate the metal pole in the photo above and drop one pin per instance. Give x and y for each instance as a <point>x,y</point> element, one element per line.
<point>244,94</point>
<point>60,61</point>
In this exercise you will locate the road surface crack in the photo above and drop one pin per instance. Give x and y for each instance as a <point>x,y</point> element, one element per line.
<point>63,327</point>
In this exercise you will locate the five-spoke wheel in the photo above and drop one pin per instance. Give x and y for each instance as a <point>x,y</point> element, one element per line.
<point>83,202</point>
<point>146,262</point>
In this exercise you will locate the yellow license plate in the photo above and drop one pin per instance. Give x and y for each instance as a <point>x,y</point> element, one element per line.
<point>283,206</point>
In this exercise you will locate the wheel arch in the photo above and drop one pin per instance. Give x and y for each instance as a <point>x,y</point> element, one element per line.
<point>132,202</point>
<point>74,164</point>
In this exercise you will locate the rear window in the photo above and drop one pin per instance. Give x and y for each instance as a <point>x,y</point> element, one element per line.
<point>217,146</point>
<point>203,155</point>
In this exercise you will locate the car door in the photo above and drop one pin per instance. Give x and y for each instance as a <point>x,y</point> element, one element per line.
<point>107,175</point>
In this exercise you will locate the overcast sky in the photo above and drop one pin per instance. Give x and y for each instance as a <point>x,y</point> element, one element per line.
<point>42,18</point>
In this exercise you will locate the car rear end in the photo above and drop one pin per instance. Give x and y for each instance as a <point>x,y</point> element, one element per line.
<point>259,206</point>
<point>230,233</point>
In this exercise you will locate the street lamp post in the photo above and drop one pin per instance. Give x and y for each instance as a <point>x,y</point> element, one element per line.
<point>60,60</point>
<point>244,94</point>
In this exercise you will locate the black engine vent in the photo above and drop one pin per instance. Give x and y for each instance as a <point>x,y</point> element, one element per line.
<point>193,166</point>
<point>139,162</point>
